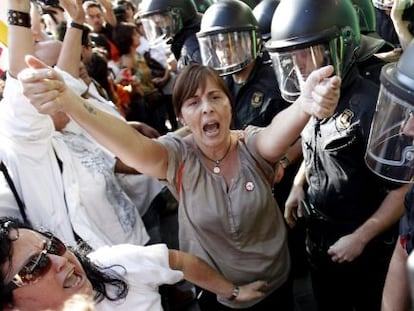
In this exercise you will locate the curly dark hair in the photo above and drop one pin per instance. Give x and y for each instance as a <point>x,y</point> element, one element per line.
<point>100,277</point>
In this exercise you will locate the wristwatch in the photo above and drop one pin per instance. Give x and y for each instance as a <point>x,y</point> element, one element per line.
<point>234,293</point>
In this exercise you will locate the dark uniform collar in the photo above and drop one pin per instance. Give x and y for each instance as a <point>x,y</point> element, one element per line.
<point>351,76</point>
<point>179,39</point>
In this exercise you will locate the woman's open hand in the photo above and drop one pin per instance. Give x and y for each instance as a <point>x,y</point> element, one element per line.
<point>74,9</point>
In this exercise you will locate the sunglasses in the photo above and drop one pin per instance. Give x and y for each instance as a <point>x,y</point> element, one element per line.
<point>38,265</point>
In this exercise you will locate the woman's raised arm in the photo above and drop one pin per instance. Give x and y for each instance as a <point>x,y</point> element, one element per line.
<point>318,98</point>
<point>48,93</point>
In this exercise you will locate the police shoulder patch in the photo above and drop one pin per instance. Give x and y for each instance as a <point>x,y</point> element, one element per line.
<point>257,99</point>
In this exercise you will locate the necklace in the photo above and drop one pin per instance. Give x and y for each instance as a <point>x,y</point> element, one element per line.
<point>217,163</point>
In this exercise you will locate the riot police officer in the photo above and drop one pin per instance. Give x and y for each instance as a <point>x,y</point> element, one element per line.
<point>351,213</point>
<point>176,21</point>
<point>390,155</point>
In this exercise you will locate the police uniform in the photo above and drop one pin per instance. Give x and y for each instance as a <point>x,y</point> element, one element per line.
<point>368,63</point>
<point>185,46</point>
<point>258,100</point>
<point>342,194</point>
<point>371,68</point>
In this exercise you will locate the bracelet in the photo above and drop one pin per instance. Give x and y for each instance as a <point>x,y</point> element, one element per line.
<point>234,293</point>
<point>77,26</point>
<point>17,18</point>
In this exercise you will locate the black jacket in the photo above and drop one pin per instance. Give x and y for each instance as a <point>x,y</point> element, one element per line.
<point>258,100</point>
<point>340,183</point>
<point>185,45</point>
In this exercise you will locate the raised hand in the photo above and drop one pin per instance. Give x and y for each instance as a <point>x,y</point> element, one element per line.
<point>321,93</point>
<point>42,86</point>
<point>74,9</point>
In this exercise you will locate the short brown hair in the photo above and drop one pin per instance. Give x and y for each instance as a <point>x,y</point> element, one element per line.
<point>190,79</point>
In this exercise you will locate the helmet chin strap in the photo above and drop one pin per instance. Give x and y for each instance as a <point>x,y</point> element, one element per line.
<point>242,75</point>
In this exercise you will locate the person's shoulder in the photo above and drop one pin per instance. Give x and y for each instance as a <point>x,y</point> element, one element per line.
<point>362,87</point>
<point>191,44</point>
<point>175,143</point>
<point>367,84</point>
<point>262,74</point>
<point>171,137</point>
<point>362,96</point>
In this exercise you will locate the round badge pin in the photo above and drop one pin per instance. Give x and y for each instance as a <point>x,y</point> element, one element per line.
<point>249,186</point>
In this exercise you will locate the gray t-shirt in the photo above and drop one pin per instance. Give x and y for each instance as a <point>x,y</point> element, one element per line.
<point>239,230</point>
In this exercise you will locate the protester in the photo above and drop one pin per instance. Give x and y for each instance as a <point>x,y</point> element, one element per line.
<point>85,199</point>
<point>40,273</point>
<point>101,17</point>
<point>229,40</point>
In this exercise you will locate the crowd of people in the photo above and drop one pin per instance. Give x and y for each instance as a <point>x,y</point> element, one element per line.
<point>280,132</point>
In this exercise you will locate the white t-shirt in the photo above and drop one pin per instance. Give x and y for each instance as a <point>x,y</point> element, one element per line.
<point>85,196</point>
<point>8,203</point>
<point>26,149</point>
<point>146,268</point>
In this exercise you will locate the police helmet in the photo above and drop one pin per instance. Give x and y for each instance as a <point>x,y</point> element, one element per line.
<point>228,36</point>
<point>165,18</point>
<point>264,13</point>
<point>309,34</point>
<point>390,152</point>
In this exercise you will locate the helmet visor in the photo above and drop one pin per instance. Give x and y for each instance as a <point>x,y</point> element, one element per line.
<point>160,26</point>
<point>390,151</point>
<point>293,67</point>
<point>228,52</point>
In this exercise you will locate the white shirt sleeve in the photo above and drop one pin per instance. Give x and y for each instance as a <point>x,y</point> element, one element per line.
<point>144,267</point>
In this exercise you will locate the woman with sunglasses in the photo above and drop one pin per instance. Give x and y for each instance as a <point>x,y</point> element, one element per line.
<point>39,272</point>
